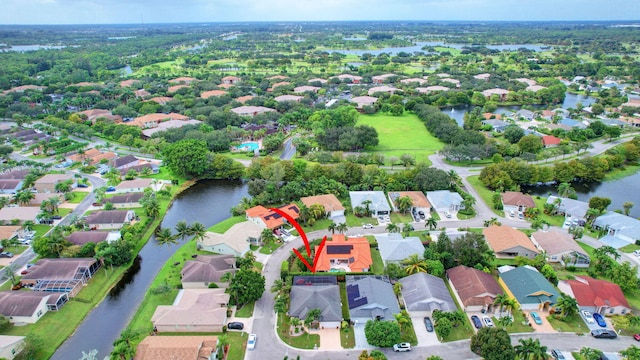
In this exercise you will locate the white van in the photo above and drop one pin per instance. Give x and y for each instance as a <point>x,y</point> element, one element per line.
<point>636,252</point>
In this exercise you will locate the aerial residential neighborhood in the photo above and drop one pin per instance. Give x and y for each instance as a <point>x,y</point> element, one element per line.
<point>320,189</point>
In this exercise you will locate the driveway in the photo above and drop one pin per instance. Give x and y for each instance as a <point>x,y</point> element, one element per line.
<point>545,327</point>
<point>329,339</point>
<point>361,338</point>
<point>425,338</point>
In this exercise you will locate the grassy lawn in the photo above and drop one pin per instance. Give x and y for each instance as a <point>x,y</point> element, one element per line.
<point>409,335</point>
<point>551,220</point>
<point>270,247</point>
<point>400,135</point>
<point>621,322</point>
<point>226,224</point>
<point>633,297</point>
<point>463,332</point>
<point>354,221</point>
<point>343,298</point>
<point>322,224</point>
<point>347,338</point>
<point>378,265</point>
<point>619,173</point>
<point>40,229</point>
<point>399,218</point>
<point>573,323</point>
<point>77,197</point>
<point>246,311</point>
<point>49,330</point>
<point>629,248</point>
<point>517,326</point>
<point>485,194</point>
<point>304,341</point>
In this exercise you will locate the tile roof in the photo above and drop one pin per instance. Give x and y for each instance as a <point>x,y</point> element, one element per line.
<point>594,292</point>
<point>393,247</point>
<point>236,237</point>
<point>135,183</point>
<point>172,89</point>
<point>329,201</point>
<point>22,213</point>
<point>474,287</point>
<point>23,303</point>
<point>516,198</point>
<point>125,199</point>
<point>418,198</point>
<point>183,79</point>
<point>282,98</point>
<point>176,348</point>
<point>207,268</point>
<point>251,110</point>
<point>503,238</point>
<point>305,88</point>
<point>161,99</point>
<point>170,124</point>
<point>384,88</point>
<point>323,297</point>
<point>212,93</point>
<point>364,100</point>
<point>9,232</point>
<point>528,286</point>
<point>412,80</point>
<point>425,292</point>
<point>83,237</point>
<point>271,219</point>
<point>58,268</point>
<point>194,307</point>
<point>550,140</point>
<point>243,99</point>
<point>556,242</point>
<point>108,217</point>
<point>355,249</point>
<point>371,297</point>
<point>498,91</point>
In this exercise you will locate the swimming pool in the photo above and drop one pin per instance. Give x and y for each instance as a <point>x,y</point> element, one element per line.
<point>248,146</point>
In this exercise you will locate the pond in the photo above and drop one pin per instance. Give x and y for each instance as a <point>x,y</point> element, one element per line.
<point>417,47</point>
<point>207,202</point>
<point>619,191</point>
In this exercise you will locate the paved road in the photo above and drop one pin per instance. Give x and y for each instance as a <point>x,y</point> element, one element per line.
<point>84,205</point>
<point>289,149</point>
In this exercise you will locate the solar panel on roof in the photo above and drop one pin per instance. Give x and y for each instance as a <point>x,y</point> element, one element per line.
<point>358,302</point>
<point>339,249</point>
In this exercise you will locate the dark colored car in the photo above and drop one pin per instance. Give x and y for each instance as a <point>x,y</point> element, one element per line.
<point>6,254</point>
<point>636,337</point>
<point>81,185</point>
<point>428,324</point>
<point>476,322</point>
<point>235,326</point>
<point>111,189</point>
<point>56,217</point>
<point>600,320</point>
<point>604,334</point>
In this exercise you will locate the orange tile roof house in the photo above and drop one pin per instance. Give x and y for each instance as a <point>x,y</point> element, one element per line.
<point>251,110</point>
<point>47,183</point>
<point>183,80</point>
<point>9,232</point>
<point>153,120</point>
<point>354,79</point>
<point>278,84</point>
<point>362,101</point>
<point>212,93</point>
<point>172,89</point>
<point>596,296</point>
<point>231,80</point>
<point>161,99</point>
<point>128,83</point>
<point>350,254</point>
<point>516,201</point>
<point>92,156</point>
<point>177,348</point>
<point>142,93</point>
<point>203,270</point>
<point>244,99</point>
<point>383,88</point>
<point>283,98</point>
<point>94,114</point>
<point>560,247</point>
<point>419,200</point>
<point>501,93</point>
<point>414,80</point>
<point>268,219</point>
<point>507,242</point>
<point>475,289</point>
<point>194,310</point>
<point>550,141</point>
<point>330,202</point>
<point>379,79</point>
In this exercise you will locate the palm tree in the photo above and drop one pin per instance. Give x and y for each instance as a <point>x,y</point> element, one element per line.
<point>504,321</point>
<point>54,202</point>
<point>568,305</point>
<point>332,227</point>
<point>492,221</point>
<point>404,203</point>
<point>23,197</point>
<point>590,353</point>
<point>164,236</point>
<point>4,201</point>
<point>367,209</point>
<point>530,349</point>
<point>152,208</point>
<point>414,264</point>
<point>342,228</point>
<point>317,212</point>
<point>182,230</point>
<point>404,320</point>
<point>431,223</point>
<point>391,227</point>
<point>627,207</point>
<point>592,214</point>
<point>198,231</point>
<point>304,214</point>
<point>565,190</point>
<point>453,177</point>
<point>500,300</point>
<point>407,228</point>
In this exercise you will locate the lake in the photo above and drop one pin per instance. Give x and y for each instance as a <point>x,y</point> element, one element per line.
<point>417,47</point>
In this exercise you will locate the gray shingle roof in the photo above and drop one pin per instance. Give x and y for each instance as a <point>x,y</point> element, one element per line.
<point>371,297</point>
<point>622,224</point>
<point>323,297</point>
<point>425,292</point>
<point>207,268</point>
<point>393,247</point>
<point>108,217</point>
<point>23,303</point>
<point>574,208</point>
<point>378,200</point>
<point>444,198</point>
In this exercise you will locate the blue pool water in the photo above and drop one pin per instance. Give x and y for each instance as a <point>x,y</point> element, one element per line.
<point>248,146</point>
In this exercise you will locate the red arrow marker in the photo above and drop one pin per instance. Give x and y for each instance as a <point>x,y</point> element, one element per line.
<point>303,235</point>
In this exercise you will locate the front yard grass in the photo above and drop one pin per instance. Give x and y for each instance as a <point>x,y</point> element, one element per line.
<point>629,248</point>
<point>399,135</point>
<point>304,341</point>
<point>246,311</point>
<point>226,224</point>
<point>573,323</point>
<point>322,224</point>
<point>463,332</point>
<point>409,335</point>
<point>399,218</point>
<point>485,194</point>
<point>347,338</point>
<point>519,324</point>
<point>621,323</point>
<point>378,266</point>
<point>270,247</point>
<point>551,220</point>
<point>354,221</point>
<point>77,197</point>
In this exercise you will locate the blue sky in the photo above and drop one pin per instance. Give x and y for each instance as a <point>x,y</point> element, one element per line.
<point>163,11</point>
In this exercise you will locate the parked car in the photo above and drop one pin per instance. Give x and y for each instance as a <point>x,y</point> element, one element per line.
<point>600,320</point>
<point>251,343</point>
<point>24,272</point>
<point>428,324</point>
<point>111,189</point>
<point>367,226</point>
<point>56,217</point>
<point>235,325</point>
<point>421,213</point>
<point>402,347</point>
<point>636,337</point>
<point>636,252</point>
<point>557,354</point>
<point>604,334</point>
<point>487,321</point>
<point>447,214</point>
<point>512,213</point>
<point>536,318</point>
<point>476,321</point>
<point>521,215</point>
<point>81,185</point>
<point>587,316</point>
<point>6,254</point>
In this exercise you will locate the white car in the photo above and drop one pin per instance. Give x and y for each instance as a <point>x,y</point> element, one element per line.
<point>402,347</point>
<point>251,344</point>
<point>587,316</point>
<point>487,321</point>
<point>367,226</point>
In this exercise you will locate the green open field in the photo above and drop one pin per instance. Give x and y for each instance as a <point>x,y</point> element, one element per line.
<point>400,135</point>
